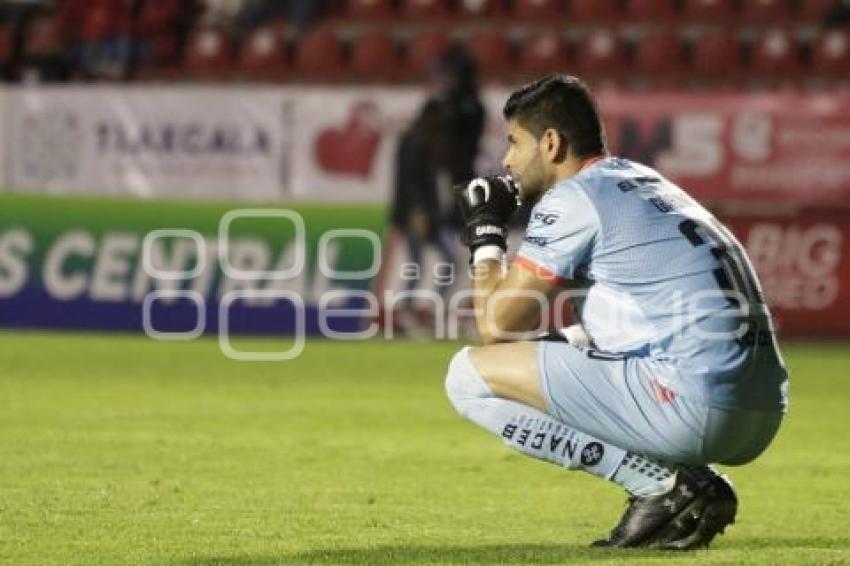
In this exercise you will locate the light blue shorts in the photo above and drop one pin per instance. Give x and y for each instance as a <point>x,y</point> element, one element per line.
<point>623,401</point>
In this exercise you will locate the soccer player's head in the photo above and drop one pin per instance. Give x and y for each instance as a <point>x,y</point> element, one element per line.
<point>552,121</point>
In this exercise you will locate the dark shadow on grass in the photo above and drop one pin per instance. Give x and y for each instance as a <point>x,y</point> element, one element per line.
<point>484,554</point>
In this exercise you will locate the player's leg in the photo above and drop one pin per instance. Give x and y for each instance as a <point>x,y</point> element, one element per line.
<point>629,401</point>
<point>507,392</point>
<point>498,388</point>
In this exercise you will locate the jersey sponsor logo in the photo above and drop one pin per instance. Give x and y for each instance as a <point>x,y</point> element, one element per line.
<point>545,218</point>
<point>592,454</point>
<point>537,240</point>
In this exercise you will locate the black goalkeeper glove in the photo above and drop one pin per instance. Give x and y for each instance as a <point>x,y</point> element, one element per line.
<point>486,204</point>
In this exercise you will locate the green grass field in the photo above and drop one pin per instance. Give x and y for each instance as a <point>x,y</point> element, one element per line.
<point>122,450</point>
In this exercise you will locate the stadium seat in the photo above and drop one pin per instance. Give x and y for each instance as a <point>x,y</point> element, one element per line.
<point>716,54</point>
<point>659,53</point>
<point>492,52</point>
<point>43,38</point>
<point>600,54</point>
<point>263,54</point>
<point>423,50</point>
<point>543,53</point>
<point>774,53</point>
<point>539,9</point>
<point>5,45</point>
<point>164,52</point>
<point>764,11</point>
<point>656,11</point>
<point>370,9</point>
<point>593,11</point>
<point>156,17</point>
<point>375,56</point>
<point>707,11</point>
<point>831,53</point>
<point>480,8</point>
<point>209,53</point>
<point>424,9</point>
<point>106,18</point>
<point>319,55</point>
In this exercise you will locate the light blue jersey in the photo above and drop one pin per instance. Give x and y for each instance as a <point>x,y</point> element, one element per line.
<point>660,278</point>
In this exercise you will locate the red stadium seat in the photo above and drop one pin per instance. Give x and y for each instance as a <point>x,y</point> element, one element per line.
<point>601,53</point>
<point>480,8</point>
<point>209,53</point>
<point>775,52</point>
<point>319,55</point>
<point>375,56</point>
<point>424,50</point>
<point>44,38</point>
<point>831,53</point>
<point>424,9</point>
<point>5,45</point>
<point>370,9</point>
<point>716,54</point>
<point>543,53</point>
<point>156,17</point>
<point>492,53</point>
<point>263,54</point>
<point>707,11</point>
<point>651,10</point>
<point>659,53</point>
<point>593,11</point>
<point>106,18</point>
<point>765,11</point>
<point>539,9</point>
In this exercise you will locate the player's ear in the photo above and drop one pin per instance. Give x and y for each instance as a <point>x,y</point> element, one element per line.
<point>553,145</point>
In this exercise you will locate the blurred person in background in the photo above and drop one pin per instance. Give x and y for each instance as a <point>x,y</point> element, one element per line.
<point>301,13</point>
<point>457,89</point>
<point>161,30</point>
<point>105,39</point>
<point>422,162</point>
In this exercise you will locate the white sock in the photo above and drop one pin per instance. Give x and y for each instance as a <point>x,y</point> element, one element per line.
<point>525,428</point>
<point>539,435</point>
<point>642,476</point>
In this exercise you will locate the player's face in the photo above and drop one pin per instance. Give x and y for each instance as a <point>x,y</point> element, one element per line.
<point>524,161</point>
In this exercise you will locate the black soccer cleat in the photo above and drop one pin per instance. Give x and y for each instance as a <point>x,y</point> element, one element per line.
<point>688,516</point>
<point>707,517</point>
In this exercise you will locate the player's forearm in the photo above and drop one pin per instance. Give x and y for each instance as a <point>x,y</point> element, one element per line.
<point>487,275</point>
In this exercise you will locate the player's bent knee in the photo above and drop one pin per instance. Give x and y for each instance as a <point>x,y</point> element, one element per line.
<point>463,382</point>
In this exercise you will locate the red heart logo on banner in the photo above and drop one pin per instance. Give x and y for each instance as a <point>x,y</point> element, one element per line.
<point>350,149</point>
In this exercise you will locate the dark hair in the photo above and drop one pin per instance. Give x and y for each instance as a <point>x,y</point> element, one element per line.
<point>564,103</point>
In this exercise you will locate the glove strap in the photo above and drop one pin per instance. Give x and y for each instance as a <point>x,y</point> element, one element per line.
<point>486,253</point>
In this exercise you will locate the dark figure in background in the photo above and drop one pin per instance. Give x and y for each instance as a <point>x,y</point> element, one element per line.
<point>422,163</point>
<point>457,89</point>
<point>301,13</point>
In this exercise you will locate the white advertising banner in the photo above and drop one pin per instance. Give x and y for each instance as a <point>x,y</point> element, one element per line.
<point>347,140</point>
<point>189,142</point>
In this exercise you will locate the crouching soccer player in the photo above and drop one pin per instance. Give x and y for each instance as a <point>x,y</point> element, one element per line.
<point>682,369</point>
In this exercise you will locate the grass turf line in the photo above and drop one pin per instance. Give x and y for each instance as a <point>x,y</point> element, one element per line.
<point>122,450</point>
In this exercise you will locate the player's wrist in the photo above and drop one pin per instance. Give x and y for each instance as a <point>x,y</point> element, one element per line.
<point>489,252</point>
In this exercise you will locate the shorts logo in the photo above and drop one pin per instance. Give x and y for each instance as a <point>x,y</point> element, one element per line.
<point>662,394</point>
<point>592,454</point>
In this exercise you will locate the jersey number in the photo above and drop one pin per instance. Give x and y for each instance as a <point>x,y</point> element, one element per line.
<point>735,274</point>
